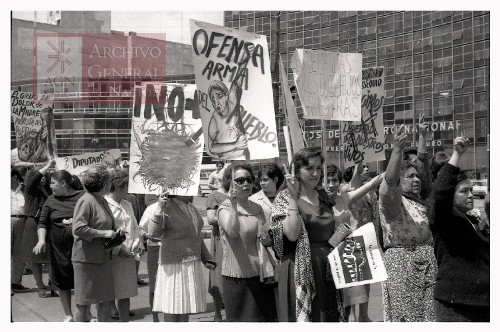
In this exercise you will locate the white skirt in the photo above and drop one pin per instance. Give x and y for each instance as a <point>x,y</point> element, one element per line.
<point>180,288</point>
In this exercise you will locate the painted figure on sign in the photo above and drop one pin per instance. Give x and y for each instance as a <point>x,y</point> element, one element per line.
<point>226,135</point>
<point>38,145</point>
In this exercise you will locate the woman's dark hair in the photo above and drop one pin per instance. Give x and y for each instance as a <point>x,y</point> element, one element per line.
<point>226,179</point>
<point>17,174</point>
<point>220,162</point>
<point>45,176</point>
<point>408,152</point>
<point>301,158</point>
<point>77,183</point>
<point>119,178</point>
<point>437,162</point>
<point>95,178</point>
<point>462,175</point>
<point>333,170</point>
<point>228,173</point>
<point>405,165</point>
<point>72,180</point>
<point>272,171</point>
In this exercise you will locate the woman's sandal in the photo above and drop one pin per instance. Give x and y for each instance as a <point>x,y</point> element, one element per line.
<point>42,292</point>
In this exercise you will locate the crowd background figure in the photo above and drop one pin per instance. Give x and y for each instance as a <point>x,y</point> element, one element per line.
<point>269,241</point>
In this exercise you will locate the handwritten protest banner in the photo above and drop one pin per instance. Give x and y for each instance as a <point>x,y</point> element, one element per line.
<point>357,260</point>
<point>365,140</point>
<point>328,83</point>
<point>34,125</point>
<point>77,164</point>
<point>166,143</point>
<point>234,92</point>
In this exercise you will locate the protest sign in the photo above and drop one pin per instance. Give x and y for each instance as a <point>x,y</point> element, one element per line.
<point>292,117</point>
<point>166,143</point>
<point>34,125</point>
<point>234,92</point>
<point>77,164</point>
<point>357,260</point>
<point>14,156</point>
<point>328,83</point>
<point>365,140</point>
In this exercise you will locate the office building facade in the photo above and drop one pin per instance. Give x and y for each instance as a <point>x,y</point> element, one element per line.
<point>436,62</point>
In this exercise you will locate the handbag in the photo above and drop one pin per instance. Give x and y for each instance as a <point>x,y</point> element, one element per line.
<point>120,237</point>
<point>116,241</point>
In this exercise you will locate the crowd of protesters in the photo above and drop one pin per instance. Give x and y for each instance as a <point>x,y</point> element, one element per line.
<point>268,254</point>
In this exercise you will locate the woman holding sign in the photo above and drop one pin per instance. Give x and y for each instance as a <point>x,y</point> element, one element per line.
<point>409,257</point>
<point>302,222</point>
<point>344,212</point>
<point>180,286</point>
<point>36,191</point>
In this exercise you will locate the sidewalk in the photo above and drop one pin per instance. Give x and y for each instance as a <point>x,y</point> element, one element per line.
<point>28,307</point>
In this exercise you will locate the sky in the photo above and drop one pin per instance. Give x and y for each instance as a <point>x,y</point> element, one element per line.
<point>163,22</point>
<point>167,22</point>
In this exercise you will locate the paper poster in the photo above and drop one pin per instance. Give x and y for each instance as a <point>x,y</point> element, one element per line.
<point>34,125</point>
<point>365,140</point>
<point>358,260</point>
<point>77,164</point>
<point>166,143</point>
<point>328,84</point>
<point>14,156</point>
<point>234,92</point>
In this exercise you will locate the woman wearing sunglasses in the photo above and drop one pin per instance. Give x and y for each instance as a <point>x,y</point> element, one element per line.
<point>241,222</point>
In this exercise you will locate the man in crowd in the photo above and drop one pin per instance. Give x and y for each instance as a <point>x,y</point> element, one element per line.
<point>215,178</point>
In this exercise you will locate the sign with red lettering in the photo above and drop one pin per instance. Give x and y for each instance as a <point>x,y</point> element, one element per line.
<point>234,92</point>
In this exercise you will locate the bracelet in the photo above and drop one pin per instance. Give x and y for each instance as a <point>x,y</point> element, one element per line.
<point>293,209</point>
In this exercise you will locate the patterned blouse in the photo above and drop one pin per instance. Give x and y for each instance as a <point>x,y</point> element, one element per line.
<point>404,221</point>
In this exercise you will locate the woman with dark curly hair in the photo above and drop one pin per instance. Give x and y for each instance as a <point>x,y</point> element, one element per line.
<point>302,223</point>
<point>271,178</point>
<point>92,223</point>
<point>56,219</point>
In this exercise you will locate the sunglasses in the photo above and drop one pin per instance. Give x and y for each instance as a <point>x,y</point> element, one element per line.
<point>241,181</point>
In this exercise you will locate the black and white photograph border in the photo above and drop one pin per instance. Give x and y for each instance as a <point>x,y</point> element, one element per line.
<point>29,309</point>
